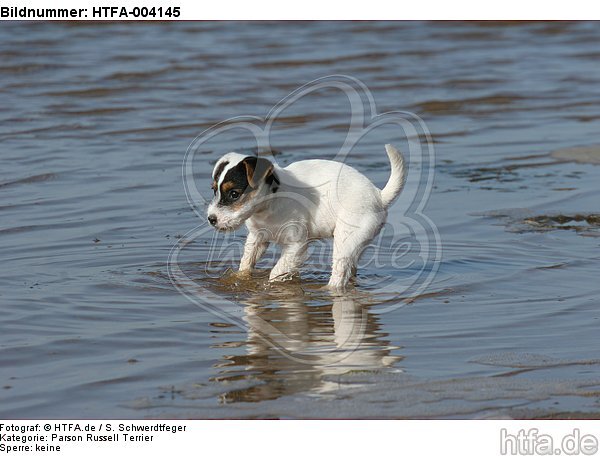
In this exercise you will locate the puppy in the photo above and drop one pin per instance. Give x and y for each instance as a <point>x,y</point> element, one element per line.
<point>305,201</point>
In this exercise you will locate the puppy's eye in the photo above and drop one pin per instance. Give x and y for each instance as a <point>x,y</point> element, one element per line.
<point>234,194</point>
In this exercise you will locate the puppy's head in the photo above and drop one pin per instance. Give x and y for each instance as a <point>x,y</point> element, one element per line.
<point>240,184</point>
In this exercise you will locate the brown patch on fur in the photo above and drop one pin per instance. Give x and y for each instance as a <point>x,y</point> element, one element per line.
<point>257,169</point>
<point>226,186</point>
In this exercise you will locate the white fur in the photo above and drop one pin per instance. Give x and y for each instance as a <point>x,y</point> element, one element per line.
<point>315,199</point>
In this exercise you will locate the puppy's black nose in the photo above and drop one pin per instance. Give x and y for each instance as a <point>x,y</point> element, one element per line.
<point>212,220</point>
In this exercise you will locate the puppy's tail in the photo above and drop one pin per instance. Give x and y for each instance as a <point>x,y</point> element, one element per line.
<point>396,182</point>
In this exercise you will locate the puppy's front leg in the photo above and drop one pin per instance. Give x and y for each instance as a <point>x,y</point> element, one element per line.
<point>255,246</point>
<point>292,257</point>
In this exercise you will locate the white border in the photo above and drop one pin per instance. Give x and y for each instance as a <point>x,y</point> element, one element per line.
<point>348,10</point>
<point>346,438</point>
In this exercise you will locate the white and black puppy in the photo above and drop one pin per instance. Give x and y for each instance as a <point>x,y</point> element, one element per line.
<point>305,201</point>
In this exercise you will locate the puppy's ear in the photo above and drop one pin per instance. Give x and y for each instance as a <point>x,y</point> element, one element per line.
<point>258,169</point>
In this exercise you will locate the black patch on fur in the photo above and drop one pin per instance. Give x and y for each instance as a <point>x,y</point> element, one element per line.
<point>217,174</point>
<point>260,166</point>
<point>219,170</point>
<point>273,182</point>
<point>237,179</point>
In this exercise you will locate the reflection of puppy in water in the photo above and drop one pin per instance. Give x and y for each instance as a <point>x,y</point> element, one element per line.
<point>293,347</point>
<point>305,201</point>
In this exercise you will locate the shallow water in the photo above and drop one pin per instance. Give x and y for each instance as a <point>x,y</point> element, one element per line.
<point>95,120</point>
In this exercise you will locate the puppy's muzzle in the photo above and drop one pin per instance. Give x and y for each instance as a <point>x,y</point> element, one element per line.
<point>212,219</point>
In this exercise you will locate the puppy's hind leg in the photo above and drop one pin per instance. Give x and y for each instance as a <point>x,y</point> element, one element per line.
<point>349,242</point>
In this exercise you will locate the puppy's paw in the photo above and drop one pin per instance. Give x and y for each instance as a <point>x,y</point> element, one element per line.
<point>278,277</point>
<point>335,290</point>
<point>338,285</point>
<point>232,276</point>
<point>243,273</point>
